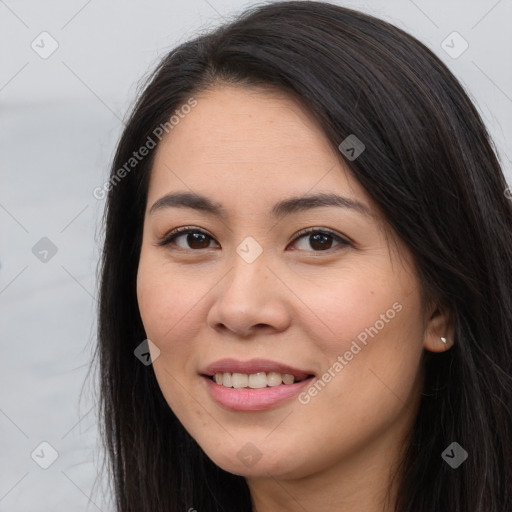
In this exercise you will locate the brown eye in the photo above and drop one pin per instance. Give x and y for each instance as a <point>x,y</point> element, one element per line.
<point>319,240</point>
<point>187,238</point>
<point>197,240</point>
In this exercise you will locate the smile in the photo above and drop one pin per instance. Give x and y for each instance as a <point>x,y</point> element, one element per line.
<point>254,385</point>
<point>254,380</point>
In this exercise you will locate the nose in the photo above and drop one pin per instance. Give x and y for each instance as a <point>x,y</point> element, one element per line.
<point>250,300</point>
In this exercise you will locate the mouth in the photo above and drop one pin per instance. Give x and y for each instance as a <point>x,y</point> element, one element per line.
<point>257,380</point>
<point>253,385</point>
<point>254,374</point>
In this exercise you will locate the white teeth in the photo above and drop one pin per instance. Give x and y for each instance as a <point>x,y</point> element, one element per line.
<point>239,380</point>
<point>288,379</point>
<point>254,380</point>
<point>258,380</point>
<point>274,379</point>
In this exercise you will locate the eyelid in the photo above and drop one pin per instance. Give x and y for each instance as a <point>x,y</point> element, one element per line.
<point>309,231</point>
<point>183,230</point>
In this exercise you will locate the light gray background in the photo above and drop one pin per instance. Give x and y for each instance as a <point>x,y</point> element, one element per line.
<point>60,118</point>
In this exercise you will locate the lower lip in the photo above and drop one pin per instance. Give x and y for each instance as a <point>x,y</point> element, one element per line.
<point>247,399</point>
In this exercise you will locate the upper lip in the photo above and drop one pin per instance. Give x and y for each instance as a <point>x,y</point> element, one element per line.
<point>253,366</point>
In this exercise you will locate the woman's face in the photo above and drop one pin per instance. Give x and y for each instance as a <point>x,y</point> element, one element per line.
<point>271,283</point>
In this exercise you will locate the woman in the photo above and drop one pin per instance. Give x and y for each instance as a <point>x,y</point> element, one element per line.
<point>307,235</point>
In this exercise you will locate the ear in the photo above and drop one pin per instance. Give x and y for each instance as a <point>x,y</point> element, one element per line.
<point>439,325</point>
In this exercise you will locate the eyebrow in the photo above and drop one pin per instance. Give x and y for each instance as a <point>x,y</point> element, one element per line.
<point>279,210</point>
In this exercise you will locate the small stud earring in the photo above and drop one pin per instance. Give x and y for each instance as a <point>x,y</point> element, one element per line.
<point>443,339</point>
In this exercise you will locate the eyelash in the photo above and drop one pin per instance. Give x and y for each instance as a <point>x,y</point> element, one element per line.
<point>169,238</point>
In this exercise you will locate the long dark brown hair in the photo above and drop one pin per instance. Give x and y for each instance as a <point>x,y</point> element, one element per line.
<point>430,166</point>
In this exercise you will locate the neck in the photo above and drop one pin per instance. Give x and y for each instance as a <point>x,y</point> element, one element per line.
<point>352,488</point>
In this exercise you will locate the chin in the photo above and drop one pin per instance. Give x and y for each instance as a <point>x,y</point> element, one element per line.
<point>248,461</point>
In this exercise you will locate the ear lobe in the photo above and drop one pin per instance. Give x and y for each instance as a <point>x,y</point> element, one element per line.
<point>439,330</point>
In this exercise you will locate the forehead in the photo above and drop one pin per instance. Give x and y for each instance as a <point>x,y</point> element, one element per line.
<point>259,142</point>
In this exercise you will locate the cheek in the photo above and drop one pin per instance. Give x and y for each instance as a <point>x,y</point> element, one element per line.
<point>168,306</point>
<point>164,295</point>
<point>368,330</point>
<point>380,360</point>
<point>356,306</point>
